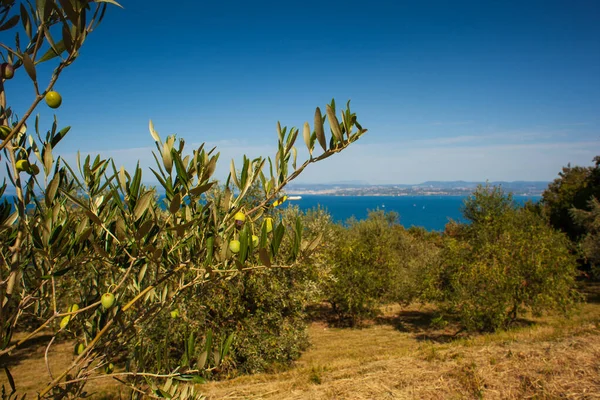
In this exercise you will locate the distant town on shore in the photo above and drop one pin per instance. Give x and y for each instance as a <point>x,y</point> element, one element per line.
<point>429,188</point>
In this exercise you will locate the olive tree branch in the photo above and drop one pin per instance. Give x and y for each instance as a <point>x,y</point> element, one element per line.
<point>8,49</point>
<point>134,374</point>
<point>16,249</point>
<point>45,324</point>
<point>297,172</point>
<point>102,332</point>
<point>39,97</point>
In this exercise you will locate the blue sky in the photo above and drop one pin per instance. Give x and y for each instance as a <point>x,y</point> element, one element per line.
<point>449,90</point>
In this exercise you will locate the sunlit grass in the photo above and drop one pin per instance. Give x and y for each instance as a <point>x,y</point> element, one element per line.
<point>553,358</point>
<point>400,356</point>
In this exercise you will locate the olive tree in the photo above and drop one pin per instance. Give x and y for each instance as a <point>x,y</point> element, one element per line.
<point>373,262</point>
<point>89,253</point>
<point>574,188</point>
<point>505,262</point>
<point>590,243</point>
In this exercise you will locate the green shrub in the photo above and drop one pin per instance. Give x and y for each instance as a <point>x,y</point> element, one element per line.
<point>574,188</point>
<point>506,261</point>
<point>374,261</point>
<point>590,243</point>
<point>264,308</point>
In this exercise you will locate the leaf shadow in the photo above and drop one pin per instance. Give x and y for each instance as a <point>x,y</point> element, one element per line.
<point>420,323</point>
<point>27,350</point>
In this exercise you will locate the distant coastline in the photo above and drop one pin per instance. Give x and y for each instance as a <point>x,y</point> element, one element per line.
<point>455,188</point>
<point>352,194</point>
<point>375,194</point>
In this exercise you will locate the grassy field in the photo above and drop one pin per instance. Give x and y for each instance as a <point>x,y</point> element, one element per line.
<point>398,356</point>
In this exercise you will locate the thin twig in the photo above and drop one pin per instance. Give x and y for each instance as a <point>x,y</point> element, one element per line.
<point>114,375</point>
<point>105,329</point>
<point>35,103</point>
<point>132,387</point>
<point>54,295</point>
<point>5,47</point>
<point>46,356</point>
<point>44,325</point>
<point>78,359</point>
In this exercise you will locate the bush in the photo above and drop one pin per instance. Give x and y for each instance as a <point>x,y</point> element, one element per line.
<point>374,261</point>
<point>574,188</point>
<point>590,242</point>
<point>506,261</point>
<point>264,308</point>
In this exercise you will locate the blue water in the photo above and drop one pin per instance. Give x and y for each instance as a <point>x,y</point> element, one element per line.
<point>429,212</point>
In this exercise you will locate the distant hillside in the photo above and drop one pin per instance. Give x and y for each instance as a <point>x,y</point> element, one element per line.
<point>516,185</point>
<point>429,188</point>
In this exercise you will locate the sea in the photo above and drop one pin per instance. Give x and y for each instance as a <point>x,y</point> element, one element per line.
<point>429,212</point>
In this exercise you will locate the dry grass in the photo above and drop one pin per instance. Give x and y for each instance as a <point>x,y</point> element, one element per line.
<point>400,357</point>
<point>549,360</point>
<point>28,367</point>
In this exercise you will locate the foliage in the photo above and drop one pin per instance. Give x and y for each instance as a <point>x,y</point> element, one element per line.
<point>264,307</point>
<point>574,188</point>
<point>423,235</point>
<point>319,231</point>
<point>75,233</point>
<point>487,204</point>
<point>374,261</point>
<point>506,261</point>
<point>590,243</point>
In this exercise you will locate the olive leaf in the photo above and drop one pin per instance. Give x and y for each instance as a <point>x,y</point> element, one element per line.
<point>54,51</point>
<point>11,23</point>
<point>319,129</point>
<point>334,124</point>
<point>153,132</point>
<point>306,135</point>
<point>29,67</point>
